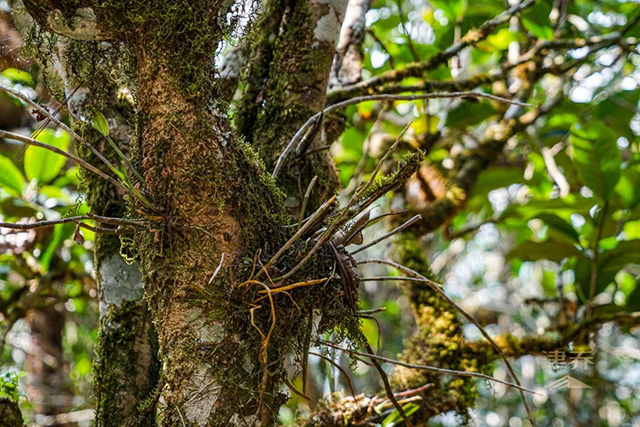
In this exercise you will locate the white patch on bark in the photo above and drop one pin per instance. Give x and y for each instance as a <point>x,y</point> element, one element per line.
<point>120,281</point>
<point>201,396</point>
<point>328,26</point>
<point>83,25</point>
<point>207,331</point>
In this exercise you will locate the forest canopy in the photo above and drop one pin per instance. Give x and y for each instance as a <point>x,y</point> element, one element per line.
<point>319,213</point>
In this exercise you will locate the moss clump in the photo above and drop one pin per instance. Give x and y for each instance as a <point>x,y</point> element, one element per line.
<point>439,342</point>
<point>125,368</point>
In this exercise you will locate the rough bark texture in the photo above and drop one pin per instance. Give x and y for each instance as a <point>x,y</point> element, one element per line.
<point>10,415</point>
<point>286,84</point>
<point>215,200</point>
<point>126,366</point>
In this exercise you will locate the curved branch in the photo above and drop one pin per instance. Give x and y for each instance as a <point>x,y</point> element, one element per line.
<point>36,143</point>
<point>382,97</point>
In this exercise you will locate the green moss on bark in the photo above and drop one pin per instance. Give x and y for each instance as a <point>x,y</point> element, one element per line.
<point>439,341</point>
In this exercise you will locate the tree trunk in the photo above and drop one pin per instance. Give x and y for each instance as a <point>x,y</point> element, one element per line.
<point>126,365</point>
<point>47,385</point>
<point>10,415</point>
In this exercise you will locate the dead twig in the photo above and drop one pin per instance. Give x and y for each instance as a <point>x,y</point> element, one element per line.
<point>396,230</point>
<point>436,288</point>
<point>441,371</point>
<point>380,97</point>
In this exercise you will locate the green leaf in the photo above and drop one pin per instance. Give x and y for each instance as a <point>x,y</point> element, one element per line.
<point>17,76</point>
<point>627,187</point>
<point>536,20</point>
<point>60,233</point>
<point>617,110</point>
<point>609,263</point>
<point>560,225</point>
<point>499,41</point>
<point>41,164</point>
<point>99,123</point>
<point>468,113</point>
<point>394,418</point>
<point>596,157</point>
<point>551,250</point>
<point>11,178</point>
<point>454,9</point>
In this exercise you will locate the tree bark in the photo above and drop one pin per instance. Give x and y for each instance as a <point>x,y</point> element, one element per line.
<point>47,384</point>
<point>10,415</point>
<point>126,366</point>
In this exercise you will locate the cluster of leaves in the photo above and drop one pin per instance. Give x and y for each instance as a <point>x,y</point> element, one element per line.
<point>44,267</point>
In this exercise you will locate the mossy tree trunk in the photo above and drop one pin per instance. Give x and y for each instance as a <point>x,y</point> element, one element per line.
<point>126,367</point>
<point>216,208</point>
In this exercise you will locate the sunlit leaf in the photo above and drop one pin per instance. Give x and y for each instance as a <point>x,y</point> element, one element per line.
<point>558,224</point>
<point>395,418</point>
<point>17,76</point>
<point>44,165</point>
<point>99,123</point>
<point>11,178</point>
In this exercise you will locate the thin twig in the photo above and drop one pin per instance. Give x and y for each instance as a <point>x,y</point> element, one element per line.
<point>436,288</point>
<point>441,371</point>
<point>217,270</point>
<point>320,211</point>
<point>396,230</point>
<point>372,311</point>
<point>366,224</point>
<point>391,278</point>
<point>36,143</point>
<point>385,381</point>
<point>305,200</point>
<point>20,153</point>
<point>49,223</point>
<point>64,127</point>
<point>74,219</point>
<point>380,97</point>
<point>295,390</point>
<point>342,371</point>
<point>339,222</point>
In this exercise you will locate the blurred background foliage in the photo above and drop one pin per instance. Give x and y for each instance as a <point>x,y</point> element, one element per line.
<point>520,256</point>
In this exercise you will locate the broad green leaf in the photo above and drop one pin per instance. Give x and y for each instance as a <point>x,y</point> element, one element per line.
<point>99,123</point>
<point>633,300</point>
<point>627,187</point>
<point>617,110</point>
<point>17,76</point>
<point>41,164</point>
<point>609,263</point>
<point>468,113</point>
<point>452,8</point>
<point>11,178</point>
<point>596,157</point>
<point>560,225</point>
<point>500,40</point>
<point>551,250</point>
